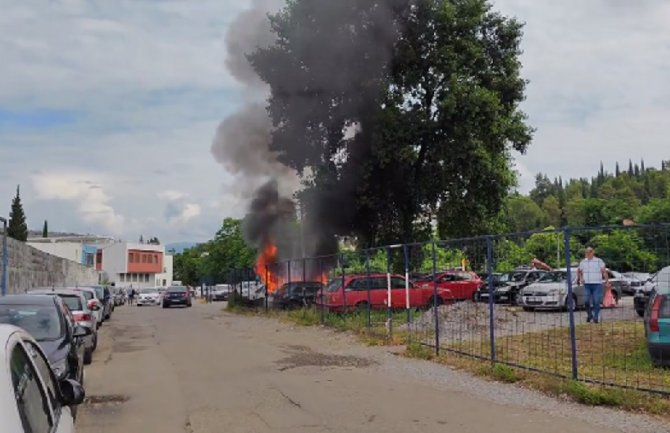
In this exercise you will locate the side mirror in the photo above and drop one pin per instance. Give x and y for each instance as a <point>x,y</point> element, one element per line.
<point>71,392</point>
<point>82,331</point>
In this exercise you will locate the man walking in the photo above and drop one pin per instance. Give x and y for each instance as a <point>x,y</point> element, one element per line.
<point>591,273</point>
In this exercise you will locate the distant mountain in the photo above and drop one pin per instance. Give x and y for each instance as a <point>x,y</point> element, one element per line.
<point>179,247</point>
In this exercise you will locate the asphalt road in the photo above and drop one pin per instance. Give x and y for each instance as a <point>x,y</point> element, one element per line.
<point>199,370</point>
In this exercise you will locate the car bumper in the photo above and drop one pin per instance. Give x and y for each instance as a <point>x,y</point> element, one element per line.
<point>659,353</point>
<point>640,302</point>
<point>548,302</point>
<point>184,301</point>
<point>147,302</point>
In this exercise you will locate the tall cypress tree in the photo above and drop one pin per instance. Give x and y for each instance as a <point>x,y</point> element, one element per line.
<point>617,170</point>
<point>45,230</point>
<point>17,228</point>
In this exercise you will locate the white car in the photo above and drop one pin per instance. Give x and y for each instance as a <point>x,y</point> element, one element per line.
<point>94,303</point>
<point>148,297</point>
<point>31,400</point>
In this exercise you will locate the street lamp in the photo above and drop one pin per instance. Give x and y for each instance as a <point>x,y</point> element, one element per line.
<point>3,278</point>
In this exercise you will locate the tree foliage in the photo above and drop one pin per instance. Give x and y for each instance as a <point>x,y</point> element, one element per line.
<point>215,261</point>
<point>45,230</point>
<point>17,227</point>
<point>432,92</point>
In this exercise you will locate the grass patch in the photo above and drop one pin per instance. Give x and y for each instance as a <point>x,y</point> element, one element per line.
<point>613,353</point>
<point>419,351</point>
<point>500,372</point>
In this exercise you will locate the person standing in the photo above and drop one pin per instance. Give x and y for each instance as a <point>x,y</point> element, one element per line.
<point>592,272</point>
<point>131,296</point>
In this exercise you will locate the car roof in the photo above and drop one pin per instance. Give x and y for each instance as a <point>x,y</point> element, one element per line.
<point>27,300</point>
<point>72,292</point>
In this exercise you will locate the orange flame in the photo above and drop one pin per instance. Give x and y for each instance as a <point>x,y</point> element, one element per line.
<point>264,263</point>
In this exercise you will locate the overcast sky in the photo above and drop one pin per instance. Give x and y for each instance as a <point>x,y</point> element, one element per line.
<point>108,108</point>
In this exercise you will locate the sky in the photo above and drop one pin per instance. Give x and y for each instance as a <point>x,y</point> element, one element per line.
<point>108,109</point>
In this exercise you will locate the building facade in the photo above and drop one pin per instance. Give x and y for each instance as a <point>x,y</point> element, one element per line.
<point>134,265</point>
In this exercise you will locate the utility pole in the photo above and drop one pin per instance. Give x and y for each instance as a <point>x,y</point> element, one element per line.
<point>3,278</point>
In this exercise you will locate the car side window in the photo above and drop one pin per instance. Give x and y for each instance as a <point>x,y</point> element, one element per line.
<point>31,402</point>
<point>464,276</point>
<point>397,283</point>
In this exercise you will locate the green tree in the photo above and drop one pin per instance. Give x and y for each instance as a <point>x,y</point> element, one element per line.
<point>553,211</point>
<point>17,227</point>
<point>433,89</point>
<point>657,211</point>
<point>550,248</point>
<point>523,214</point>
<point>623,250</point>
<point>45,230</point>
<point>509,254</point>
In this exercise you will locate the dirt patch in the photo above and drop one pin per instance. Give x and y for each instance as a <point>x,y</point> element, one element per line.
<point>302,356</point>
<point>95,400</point>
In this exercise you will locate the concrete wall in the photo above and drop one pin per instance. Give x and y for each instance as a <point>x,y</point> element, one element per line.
<point>65,250</point>
<point>30,267</point>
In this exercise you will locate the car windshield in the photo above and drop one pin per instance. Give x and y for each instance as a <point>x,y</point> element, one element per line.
<point>553,277</point>
<point>512,277</point>
<point>177,289</point>
<point>88,295</point>
<point>73,302</point>
<point>334,285</point>
<point>145,291</point>
<point>41,321</point>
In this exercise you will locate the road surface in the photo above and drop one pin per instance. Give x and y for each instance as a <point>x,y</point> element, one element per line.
<point>200,370</point>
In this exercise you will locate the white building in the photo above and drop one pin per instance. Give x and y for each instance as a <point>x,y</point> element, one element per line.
<point>135,265</point>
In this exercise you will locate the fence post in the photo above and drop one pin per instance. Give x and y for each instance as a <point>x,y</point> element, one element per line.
<point>492,322</point>
<point>3,279</point>
<point>368,284</point>
<point>323,287</point>
<point>389,300</point>
<point>267,281</point>
<point>344,292</point>
<point>407,303</point>
<point>436,315</point>
<point>571,303</point>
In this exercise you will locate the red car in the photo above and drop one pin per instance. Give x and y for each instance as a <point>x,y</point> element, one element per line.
<point>355,293</point>
<point>462,284</point>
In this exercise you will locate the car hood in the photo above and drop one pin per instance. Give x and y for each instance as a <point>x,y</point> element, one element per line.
<point>545,287</point>
<point>55,350</point>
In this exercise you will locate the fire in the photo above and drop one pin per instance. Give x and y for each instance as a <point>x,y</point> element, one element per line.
<point>264,264</point>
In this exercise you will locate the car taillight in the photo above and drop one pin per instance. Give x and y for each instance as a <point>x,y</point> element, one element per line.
<point>85,317</point>
<point>655,312</point>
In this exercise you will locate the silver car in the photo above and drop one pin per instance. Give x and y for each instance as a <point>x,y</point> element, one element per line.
<point>551,292</point>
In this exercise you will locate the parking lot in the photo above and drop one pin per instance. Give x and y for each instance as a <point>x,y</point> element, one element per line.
<point>200,370</point>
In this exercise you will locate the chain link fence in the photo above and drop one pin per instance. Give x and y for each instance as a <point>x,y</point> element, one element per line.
<point>515,299</point>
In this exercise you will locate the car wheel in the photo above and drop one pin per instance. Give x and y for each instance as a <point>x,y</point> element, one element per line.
<point>640,313</point>
<point>362,307</point>
<point>528,309</point>
<point>435,301</point>
<point>95,341</point>
<point>164,305</point>
<point>566,305</point>
<point>88,356</point>
<point>476,297</point>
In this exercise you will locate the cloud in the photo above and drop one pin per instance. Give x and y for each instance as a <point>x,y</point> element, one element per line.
<point>178,210</point>
<point>92,203</point>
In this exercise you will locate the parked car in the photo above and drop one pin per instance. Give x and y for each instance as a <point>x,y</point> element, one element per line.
<point>551,292</point>
<point>82,314</point>
<point>105,295</point>
<point>51,324</point>
<point>149,296</point>
<point>643,293</point>
<point>620,283</point>
<point>178,295</point>
<point>461,284</point>
<point>296,294</point>
<point>120,296</point>
<point>32,398</point>
<point>637,279</point>
<point>509,285</point>
<point>360,289</point>
<point>220,292</point>
<point>94,304</point>
<point>657,320</point>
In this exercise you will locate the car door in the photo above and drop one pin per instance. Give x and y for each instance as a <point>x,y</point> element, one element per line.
<point>398,292</point>
<point>77,347</point>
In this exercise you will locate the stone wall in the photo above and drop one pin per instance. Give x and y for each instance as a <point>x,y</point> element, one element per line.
<point>29,268</point>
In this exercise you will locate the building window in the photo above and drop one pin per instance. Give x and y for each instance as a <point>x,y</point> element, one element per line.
<point>156,258</point>
<point>134,277</point>
<point>131,258</point>
<point>122,278</point>
<point>146,278</point>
